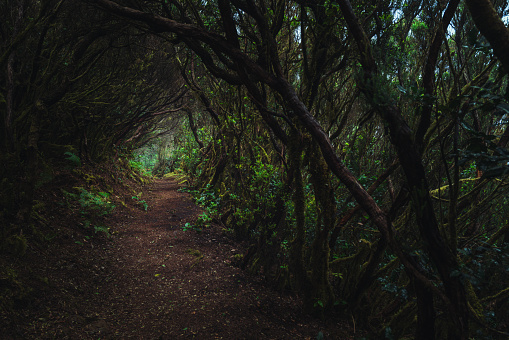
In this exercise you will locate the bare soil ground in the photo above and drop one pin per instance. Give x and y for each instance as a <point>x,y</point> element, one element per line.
<point>154,280</point>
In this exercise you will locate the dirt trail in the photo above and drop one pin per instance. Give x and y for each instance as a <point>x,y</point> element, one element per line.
<point>154,280</point>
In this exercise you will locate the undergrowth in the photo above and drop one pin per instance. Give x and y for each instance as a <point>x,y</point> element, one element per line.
<point>92,206</point>
<point>69,210</point>
<point>209,199</point>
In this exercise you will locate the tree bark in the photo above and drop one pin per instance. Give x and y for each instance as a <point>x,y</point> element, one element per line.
<point>401,137</point>
<point>492,27</point>
<point>192,125</point>
<point>429,71</point>
<point>410,158</point>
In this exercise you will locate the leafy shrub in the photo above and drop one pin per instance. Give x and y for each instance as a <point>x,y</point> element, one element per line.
<point>139,167</point>
<point>142,203</point>
<point>74,160</point>
<point>92,206</point>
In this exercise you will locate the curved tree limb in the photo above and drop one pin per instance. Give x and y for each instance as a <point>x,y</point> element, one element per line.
<point>401,134</point>
<point>410,157</point>
<point>492,27</point>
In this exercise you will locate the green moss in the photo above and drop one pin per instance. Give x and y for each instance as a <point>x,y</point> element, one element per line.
<point>194,252</point>
<point>473,301</point>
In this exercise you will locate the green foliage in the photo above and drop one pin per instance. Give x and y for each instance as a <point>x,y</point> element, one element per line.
<point>194,227</point>
<point>74,160</point>
<point>254,166</point>
<point>187,158</point>
<point>102,229</point>
<point>139,167</point>
<point>141,202</point>
<point>91,207</point>
<point>96,204</point>
<point>203,220</point>
<point>208,198</point>
<point>146,157</point>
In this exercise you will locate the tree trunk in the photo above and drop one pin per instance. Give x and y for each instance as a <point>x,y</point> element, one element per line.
<point>410,158</point>
<point>192,125</point>
<point>492,27</point>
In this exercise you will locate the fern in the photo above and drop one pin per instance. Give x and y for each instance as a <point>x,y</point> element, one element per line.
<point>73,159</point>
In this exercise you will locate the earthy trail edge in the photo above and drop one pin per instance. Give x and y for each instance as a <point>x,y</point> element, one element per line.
<point>154,280</point>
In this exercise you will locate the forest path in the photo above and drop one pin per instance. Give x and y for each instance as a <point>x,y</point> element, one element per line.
<point>173,283</point>
<point>154,280</point>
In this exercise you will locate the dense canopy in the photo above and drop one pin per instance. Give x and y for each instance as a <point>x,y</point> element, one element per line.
<point>359,148</point>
